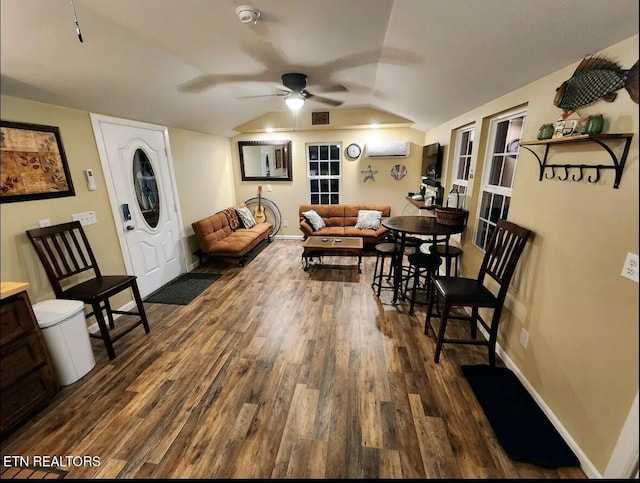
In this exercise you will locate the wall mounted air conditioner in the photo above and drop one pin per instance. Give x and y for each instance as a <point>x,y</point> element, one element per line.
<point>387,149</point>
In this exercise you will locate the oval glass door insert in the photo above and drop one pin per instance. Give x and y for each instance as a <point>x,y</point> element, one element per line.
<point>144,180</point>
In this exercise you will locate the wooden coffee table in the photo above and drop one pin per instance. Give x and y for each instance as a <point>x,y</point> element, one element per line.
<point>317,246</point>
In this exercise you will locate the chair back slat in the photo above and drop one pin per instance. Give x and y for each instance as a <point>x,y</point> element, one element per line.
<point>505,246</point>
<point>48,252</point>
<point>78,248</point>
<point>503,252</point>
<point>62,252</point>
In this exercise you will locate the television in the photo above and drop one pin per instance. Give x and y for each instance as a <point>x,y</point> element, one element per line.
<point>431,161</point>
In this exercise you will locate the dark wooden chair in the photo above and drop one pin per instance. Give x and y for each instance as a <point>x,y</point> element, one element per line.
<point>499,263</point>
<point>65,253</point>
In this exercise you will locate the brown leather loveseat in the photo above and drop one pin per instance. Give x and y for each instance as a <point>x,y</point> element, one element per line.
<point>340,220</point>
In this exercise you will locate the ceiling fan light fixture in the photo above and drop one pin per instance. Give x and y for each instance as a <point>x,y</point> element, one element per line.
<point>294,101</point>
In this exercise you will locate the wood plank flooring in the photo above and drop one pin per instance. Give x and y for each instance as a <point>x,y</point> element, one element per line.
<point>274,372</point>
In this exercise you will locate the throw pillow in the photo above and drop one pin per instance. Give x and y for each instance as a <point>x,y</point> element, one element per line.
<point>247,218</point>
<point>314,219</point>
<point>368,219</point>
<point>232,218</point>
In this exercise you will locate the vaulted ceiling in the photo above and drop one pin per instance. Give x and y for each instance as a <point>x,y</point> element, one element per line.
<point>193,64</point>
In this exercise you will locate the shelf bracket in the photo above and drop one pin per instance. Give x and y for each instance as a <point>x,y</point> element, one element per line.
<point>541,162</point>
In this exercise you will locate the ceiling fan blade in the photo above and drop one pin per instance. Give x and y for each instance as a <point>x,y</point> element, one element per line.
<point>323,100</point>
<point>282,94</point>
<point>199,84</point>
<point>208,81</point>
<point>329,89</point>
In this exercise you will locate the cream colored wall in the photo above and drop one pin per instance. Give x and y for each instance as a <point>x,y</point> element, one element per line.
<point>203,177</point>
<point>288,195</point>
<point>582,316</point>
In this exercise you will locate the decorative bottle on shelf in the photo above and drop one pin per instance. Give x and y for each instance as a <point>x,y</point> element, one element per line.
<point>545,132</point>
<point>593,125</point>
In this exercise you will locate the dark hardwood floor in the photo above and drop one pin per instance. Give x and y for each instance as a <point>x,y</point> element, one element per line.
<point>274,372</point>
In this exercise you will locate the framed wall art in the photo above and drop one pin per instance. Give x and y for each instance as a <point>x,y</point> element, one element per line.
<point>33,163</point>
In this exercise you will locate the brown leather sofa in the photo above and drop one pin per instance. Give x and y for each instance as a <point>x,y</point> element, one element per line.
<point>341,221</point>
<point>217,238</point>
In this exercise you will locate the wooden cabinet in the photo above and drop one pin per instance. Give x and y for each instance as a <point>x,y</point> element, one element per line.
<point>27,378</point>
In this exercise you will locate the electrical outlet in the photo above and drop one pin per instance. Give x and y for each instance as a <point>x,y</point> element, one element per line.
<point>285,223</point>
<point>524,338</point>
<point>630,268</point>
<point>86,218</point>
<point>45,222</point>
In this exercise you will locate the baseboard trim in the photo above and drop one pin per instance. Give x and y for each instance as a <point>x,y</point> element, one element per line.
<point>288,237</point>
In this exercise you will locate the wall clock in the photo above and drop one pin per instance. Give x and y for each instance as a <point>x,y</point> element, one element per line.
<point>353,150</point>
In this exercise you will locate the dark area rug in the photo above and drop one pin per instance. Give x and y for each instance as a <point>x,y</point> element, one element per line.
<point>523,430</point>
<point>184,289</point>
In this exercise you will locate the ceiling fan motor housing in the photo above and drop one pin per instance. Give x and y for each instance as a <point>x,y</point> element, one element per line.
<point>295,82</point>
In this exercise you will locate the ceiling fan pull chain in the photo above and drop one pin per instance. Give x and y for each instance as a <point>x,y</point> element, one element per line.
<point>75,18</point>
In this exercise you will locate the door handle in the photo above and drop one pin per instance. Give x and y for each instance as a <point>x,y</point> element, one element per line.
<point>130,227</point>
<point>126,213</point>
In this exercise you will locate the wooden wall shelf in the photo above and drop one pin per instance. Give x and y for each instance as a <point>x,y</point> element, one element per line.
<point>605,141</point>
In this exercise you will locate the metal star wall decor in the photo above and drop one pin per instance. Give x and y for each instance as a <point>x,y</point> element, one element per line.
<point>368,174</point>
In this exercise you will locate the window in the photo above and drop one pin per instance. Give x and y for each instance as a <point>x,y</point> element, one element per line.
<point>499,171</point>
<point>464,147</point>
<point>324,171</point>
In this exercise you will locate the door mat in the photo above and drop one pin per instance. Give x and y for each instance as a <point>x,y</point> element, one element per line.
<point>522,428</point>
<point>184,289</point>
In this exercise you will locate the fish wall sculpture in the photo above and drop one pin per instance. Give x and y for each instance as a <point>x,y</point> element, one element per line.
<point>594,79</point>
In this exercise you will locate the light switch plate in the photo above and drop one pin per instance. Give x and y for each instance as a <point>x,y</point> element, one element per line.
<point>86,218</point>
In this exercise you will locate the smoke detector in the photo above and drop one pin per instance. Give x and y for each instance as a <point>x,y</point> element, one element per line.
<point>247,14</point>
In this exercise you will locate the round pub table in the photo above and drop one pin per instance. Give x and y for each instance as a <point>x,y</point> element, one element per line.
<point>416,225</point>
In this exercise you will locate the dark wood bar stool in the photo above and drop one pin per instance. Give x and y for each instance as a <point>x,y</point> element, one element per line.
<point>449,253</point>
<point>383,251</point>
<point>423,266</point>
<point>411,246</point>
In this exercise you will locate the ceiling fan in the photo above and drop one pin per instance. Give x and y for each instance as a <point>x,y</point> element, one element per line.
<point>295,92</point>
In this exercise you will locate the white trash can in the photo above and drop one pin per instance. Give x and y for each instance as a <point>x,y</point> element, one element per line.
<point>65,332</point>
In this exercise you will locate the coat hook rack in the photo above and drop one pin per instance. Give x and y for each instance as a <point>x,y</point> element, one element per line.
<point>602,140</point>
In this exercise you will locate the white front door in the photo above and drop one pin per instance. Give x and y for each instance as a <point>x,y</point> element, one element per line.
<point>139,177</point>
